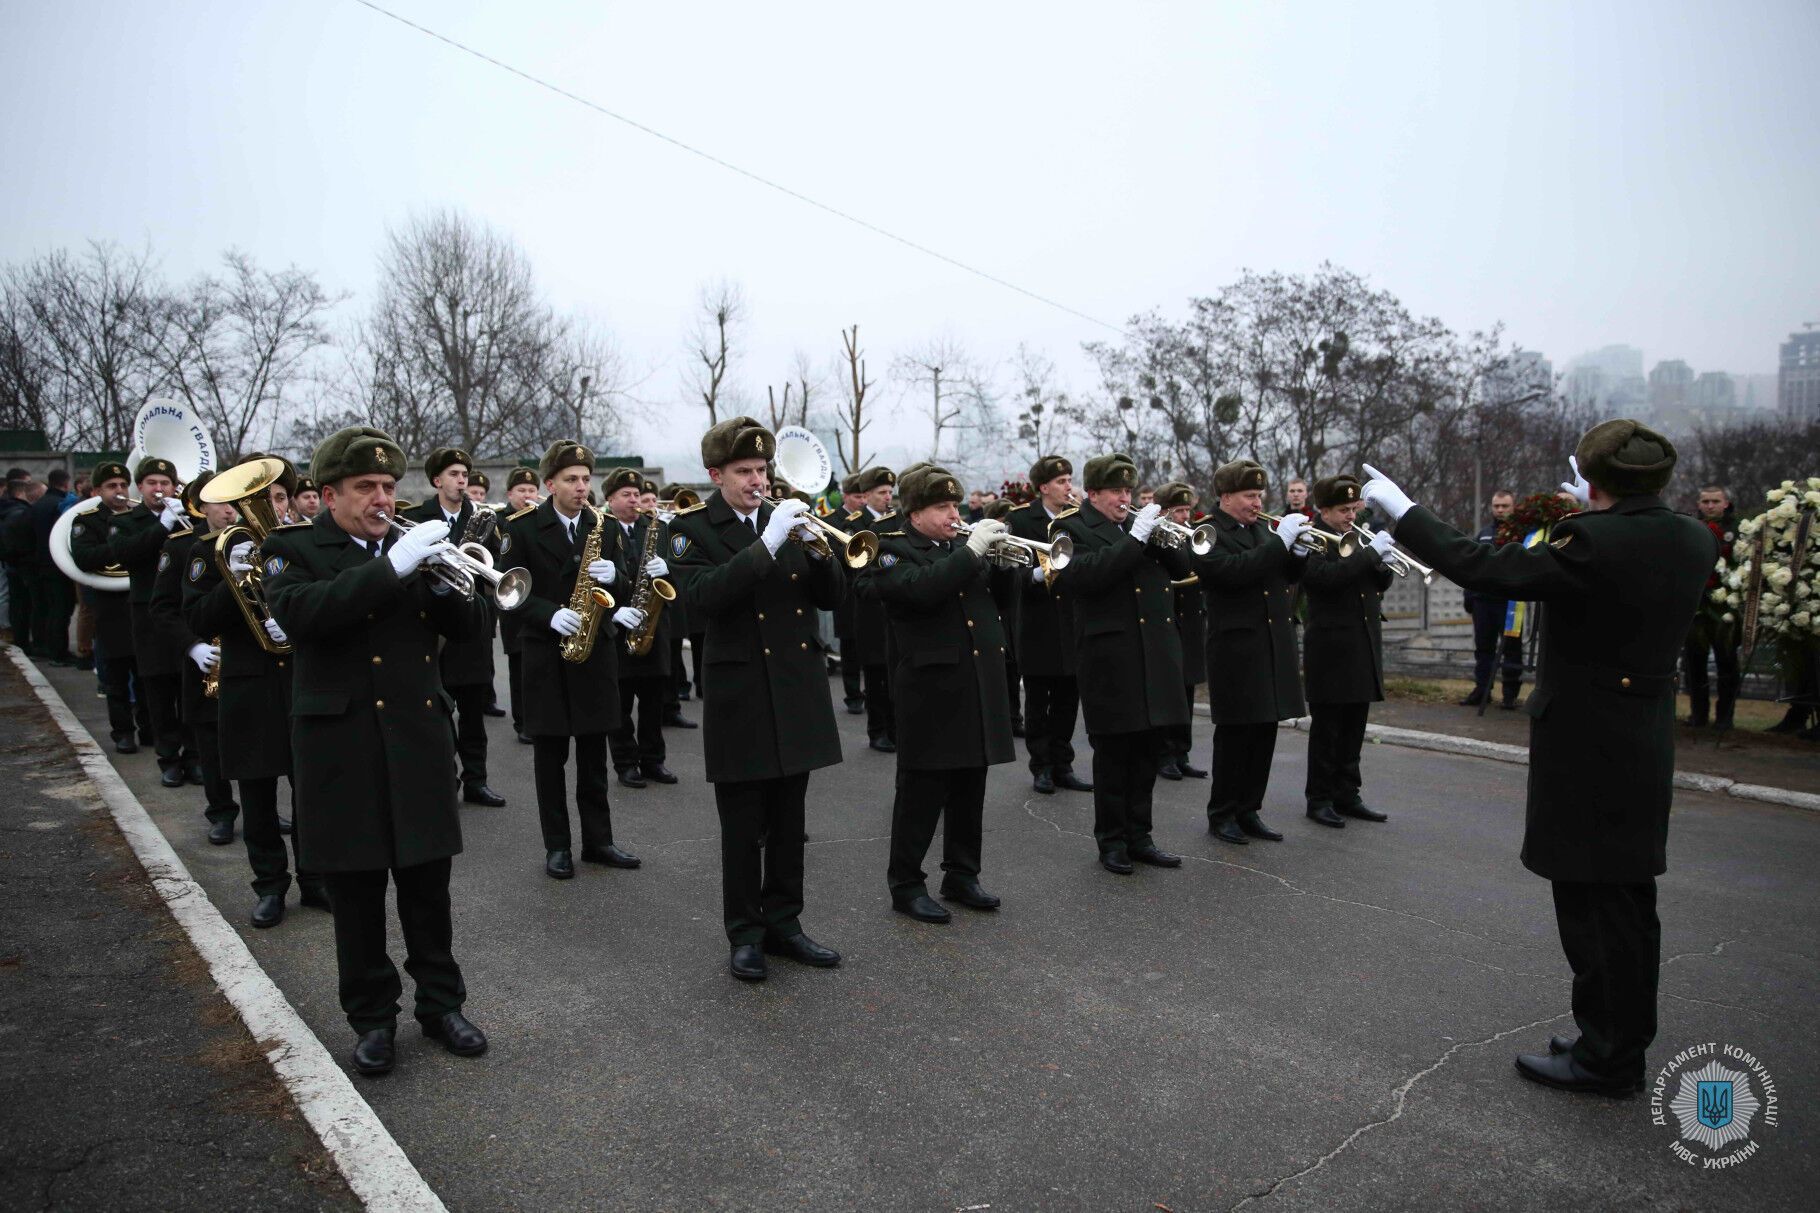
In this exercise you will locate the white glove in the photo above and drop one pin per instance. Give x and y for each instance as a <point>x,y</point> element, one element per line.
<point>204,655</point>
<point>602,571</point>
<point>1383,544</point>
<point>1581,490</point>
<point>416,545</point>
<point>1382,493</point>
<point>1039,575</point>
<point>565,622</point>
<point>240,558</point>
<point>628,618</point>
<point>655,567</point>
<point>275,632</point>
<point>983,535</point>
<point>1289,529</point>
<point>172,513</point>
<point>787,517</point>
<point>1145,522</point>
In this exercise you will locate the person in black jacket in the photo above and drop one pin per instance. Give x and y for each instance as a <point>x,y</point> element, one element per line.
<point>521,499</point>
<point>135,539</point>
<point>1621,582</point>
<point>53,598</point>
<point>949,686</point>
<point>1493,651</point>
<point>128,717</point>
<point>644,681</point>
<point>1177,501</point>
<point>1045,639</point>
<point>1709,633</point>
<point>870,631</point>
<point>1342,652</point>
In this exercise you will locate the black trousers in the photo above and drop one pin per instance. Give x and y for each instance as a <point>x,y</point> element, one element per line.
<point>1241,769</point>
<point>19,608</point>
<point>163,696</point>
<point>370,987</point>
<point>1335,737</point>
<point>205,735</point>
<point>1124,784</point>
<point>853,692</point>
<point>127,713</point>
<point>880,720</point>
<point>674,681</point>
<point>265,852</point>
<point>1050,705</point>
<point>470,728</point>
<point>639,739</point>
<point>549,762</point>
<point>1613,942</point>
<point>957,799</point>
<point>515,681</point>
<point>1180,737</point>
<point>51,606</point>
<point>698,641</point>
<point>1490,644</point>
<point>761,856</point>
<point>1693,672</point>
<point>1013,686</point>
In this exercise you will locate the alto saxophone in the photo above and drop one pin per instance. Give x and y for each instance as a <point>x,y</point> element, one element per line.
<point>211,677</point>
<point>587,599</point>
<point>648,595</point>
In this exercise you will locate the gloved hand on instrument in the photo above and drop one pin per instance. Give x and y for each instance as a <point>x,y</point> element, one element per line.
<point>628,618</point>
<point>984,533</point>
<point>1145,522</point>
<point>275,632</point>
<point>205,655</point>
<point>1383,544</point>
<point>240,558</point>
<point>1581,490</point>
<point>416,545</point>
<point>787,517</point>
<point>602,571</point>
<point>1290,528</point>
<point>172,513</point>
<point>1382,493</point>
<point>565,622</point>
<point>657,567</point>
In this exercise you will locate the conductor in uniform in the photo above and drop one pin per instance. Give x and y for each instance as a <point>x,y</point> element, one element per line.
<point>1342,653</point>
<point>767,717</point>
<point>949,685</point>
<point>1045,643</point>
<point>375,757</point>
<point>1129,655</point>
<point>1246,581</point>
<point>1621,581</point>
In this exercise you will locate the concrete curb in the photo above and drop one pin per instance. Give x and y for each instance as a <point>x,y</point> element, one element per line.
<point>1497,751</point>
<point>376,1168</point>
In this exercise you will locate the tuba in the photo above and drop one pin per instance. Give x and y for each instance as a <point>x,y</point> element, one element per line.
<point>244,487</point>
<point>588,600</point>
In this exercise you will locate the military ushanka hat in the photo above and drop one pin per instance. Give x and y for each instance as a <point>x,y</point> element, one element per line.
<point>306,485</point>
<point>1114,471</point>
<point>191,502</point>
<point>359,450</point>
<point>927,486</point>
<point>622,478</point>
<point>107,470</point>
<point>287,479</point>
<point>565,454</point>
<point>877,476</point>
<point>1048,468</point>
<point>480,478</point>
<point>443,458</point>
<point>1330,491</point>
<point>1626,458</point>
<point>1174,494</point>
<point>1001,509</point>
<point>521,475</point>
<point>1240,476</point>
<point>847,483</point>
<point>648,485</point>
<point>734,439</point>
<point>151,465</point>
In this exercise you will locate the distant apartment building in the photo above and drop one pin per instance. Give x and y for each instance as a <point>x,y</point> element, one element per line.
<point>1669,381</point>
<point>1798,377</point>
<point>1713,392</point>
<point>1525,376</point>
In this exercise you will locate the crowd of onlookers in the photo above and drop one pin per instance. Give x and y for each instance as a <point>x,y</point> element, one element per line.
<point>36,599</point>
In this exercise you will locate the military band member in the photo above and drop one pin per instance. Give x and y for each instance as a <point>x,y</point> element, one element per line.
<point>1178,501</point>
<point>135,539</point>
<point>767,716</point>
<point>466,666</point>
<point>374,753</point>
<point>1045,642</point>
<point>870,631</point>
<point>1008,593</point>
<point>1621,582</point>
<point>852,512</point>
<point>567,699</point>
<point>675,621</point>
<point>306,502</point>
<point>948,683</point>
<point>1342,652</point>
<point>521,499</point>
<point>638,741</point>
<point>478,487</point>
<point>129,719</point>
<point>1129,655</point>
<point>1251,650</point>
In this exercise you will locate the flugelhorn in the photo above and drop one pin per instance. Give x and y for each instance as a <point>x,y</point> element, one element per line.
<point>1316,538</point>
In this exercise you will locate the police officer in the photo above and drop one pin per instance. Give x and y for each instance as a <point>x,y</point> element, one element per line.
<point>135,539</point>
<point>1178,501</point>
<point>870,630</point>
<point>1253,682</point>
<point>948,683</point>
<point>1490,646</point>
<point>129,718</point>
<point>644,681</point>
<point>1711,634</point>
<point>375,757</point>
<point>466,667</point>
<point>521,499</point>
<point>1045,643</point>
<point>1621,582</point>
<point>567,699</point>
<point>1342,652</point>
<point>767,719</point>
<point>1129,655</point>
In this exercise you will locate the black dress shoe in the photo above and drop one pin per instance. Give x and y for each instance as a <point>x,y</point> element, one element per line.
<point>856,708</point>
<point>1043,782</point>
<point>125,745</point>
<point>1362,811</point>
<point>1071,781</point>
<point>967,891</point>
<point>1561,1071</point>
<point>1190,770</point>
<point>1017,726</point>
<point>193,775</point>
<point>610,855</point>
<point>221,832</point>
<point>1323,814</point>
<point>147,739</point>
<point>480,793</point>
<point>632,779</point>
<point>270,910</point>
<point>1227,830</point>
<point>1151,854</point>
<point>523,739</point>
<point>1473,700</point>
<point>374,1055</point>
<point>1562,1044</point>
<point>314,896</point>
<point>676,720</point>
<point>657,772</point>
<point>803,950</point>
<point>921,907</point>
<point>457,1035</point>
<point>493,709</point>
<point>284,826</point>
<point>559,864</point>
<point>1117,862</point>
<point>172,777</point>
<point>883,745</point>
<point>1254,825</point>
<point>1509,705</point>
<point>748,963</point>
<point>1169,770</point>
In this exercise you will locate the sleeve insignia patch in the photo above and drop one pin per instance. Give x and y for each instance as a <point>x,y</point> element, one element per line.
<point>164,561</point>
<point>679,544</point>
<point>887,560</point>
<point>274,565</point>
<point>196,568</point>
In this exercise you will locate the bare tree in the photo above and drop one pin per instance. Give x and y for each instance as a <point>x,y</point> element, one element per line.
<point>954,394</point>
<point>1043,416</point>
<point>721,313</point>
<point>851,418</point>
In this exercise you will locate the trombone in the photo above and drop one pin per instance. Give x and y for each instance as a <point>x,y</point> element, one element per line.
<point>463,568</point>
<point>1321,541</point>
<point>1400,562</point>
<point>1015,552</point>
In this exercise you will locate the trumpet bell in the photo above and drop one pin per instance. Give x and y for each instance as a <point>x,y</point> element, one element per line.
<point>1061,551</point>
<point>512,589</point>
<point>861,548</point>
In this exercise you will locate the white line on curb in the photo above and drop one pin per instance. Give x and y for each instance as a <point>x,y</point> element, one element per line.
<point>376,1168</point>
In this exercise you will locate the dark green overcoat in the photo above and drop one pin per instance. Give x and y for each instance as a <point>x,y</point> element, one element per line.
<point>1342,641</point>
<point>1252,674</point>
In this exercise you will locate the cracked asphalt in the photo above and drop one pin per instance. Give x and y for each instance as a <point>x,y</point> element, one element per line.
<point>1324,1023</point>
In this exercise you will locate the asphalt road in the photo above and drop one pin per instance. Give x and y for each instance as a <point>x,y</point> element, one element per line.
<point>1325,1023</point>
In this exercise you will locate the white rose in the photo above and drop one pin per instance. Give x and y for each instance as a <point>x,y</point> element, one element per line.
<point>1771,568</point>
<point>1728,616</point>
<point>1813,497</point>
<point>1781,609</point>
<point>1788,484</point>
<point>1803,589</point>
<point>1801,619</point>
<point>1779,494</point>
<point>1748,527</point>
<point>1782,577</point>
<point>1813,482</point>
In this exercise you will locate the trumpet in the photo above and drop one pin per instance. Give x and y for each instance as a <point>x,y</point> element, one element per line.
<point>1319,540</point>
<point>1399,562</point>
<point>1172,534</point>
<point>465,567</point>
<point>1015,552</point>
<point>803,464</point>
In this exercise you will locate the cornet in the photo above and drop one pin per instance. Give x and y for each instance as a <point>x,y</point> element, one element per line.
<point>1172,534</point>
<point>1319,540</point>
<point>1014,551</point>
<point>1399,562</point>
<point>463,568</point>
